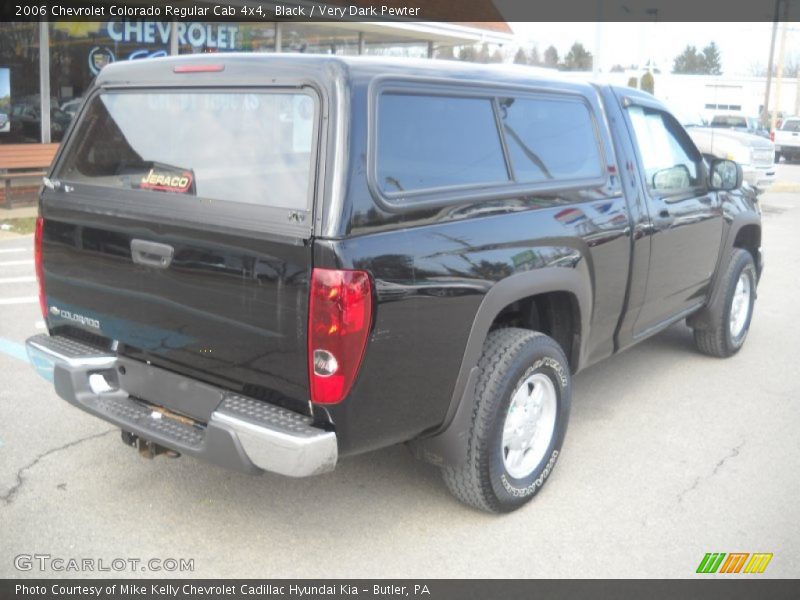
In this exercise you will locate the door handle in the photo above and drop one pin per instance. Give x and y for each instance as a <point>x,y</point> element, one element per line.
<point>664,213</point>
<point>151,254</point>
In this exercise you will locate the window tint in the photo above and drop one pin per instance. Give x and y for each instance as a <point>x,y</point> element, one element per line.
<point>729,121</point>
<point>426,142</point>
<point>245,147</point>
<point>550,139</point>
<point>670,163</point>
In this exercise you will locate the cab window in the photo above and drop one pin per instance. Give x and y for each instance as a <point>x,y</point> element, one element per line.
<point>671,163</point>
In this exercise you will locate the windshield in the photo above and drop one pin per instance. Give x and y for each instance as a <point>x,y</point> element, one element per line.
<point>791,125</point>
<point>248,147</point>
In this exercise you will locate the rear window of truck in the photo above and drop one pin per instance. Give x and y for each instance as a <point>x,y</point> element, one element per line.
<point>791,125</point>
<point>247,147</point>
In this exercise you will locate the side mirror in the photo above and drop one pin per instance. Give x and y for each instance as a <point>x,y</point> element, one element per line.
<point>725,175</point>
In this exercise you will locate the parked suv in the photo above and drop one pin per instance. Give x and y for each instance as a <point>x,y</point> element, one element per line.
<point>275,262</point>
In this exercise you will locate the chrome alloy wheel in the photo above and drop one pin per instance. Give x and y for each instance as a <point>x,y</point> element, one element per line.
<point>529,425</point>
<point>740,306</point>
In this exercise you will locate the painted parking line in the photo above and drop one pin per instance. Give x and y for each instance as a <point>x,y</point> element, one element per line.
<point>19,300</point>
<point>15,263</point>
<point>26,279</point>
<point>13,349</point>
<point>13,250</point>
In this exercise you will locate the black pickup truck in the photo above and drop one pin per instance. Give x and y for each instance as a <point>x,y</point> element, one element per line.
<point>272,262</point>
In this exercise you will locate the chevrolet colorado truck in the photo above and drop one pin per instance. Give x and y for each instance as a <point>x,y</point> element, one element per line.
<point>275,262</point>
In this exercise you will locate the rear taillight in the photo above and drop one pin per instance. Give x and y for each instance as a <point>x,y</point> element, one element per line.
<point>771,136</point>
<point>340,313</point>
<point>37,261</point>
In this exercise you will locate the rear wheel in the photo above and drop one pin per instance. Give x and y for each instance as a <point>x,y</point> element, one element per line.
<point>520,418</point>
<point>725,335</point>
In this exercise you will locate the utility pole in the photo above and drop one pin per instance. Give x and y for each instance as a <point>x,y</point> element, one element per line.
<point>598,39</point>
<point>781,54</point>
<point>765,116</point>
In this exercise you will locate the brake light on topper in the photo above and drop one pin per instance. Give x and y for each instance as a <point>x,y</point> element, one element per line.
<point>340,314</point>
<point>198,68</point>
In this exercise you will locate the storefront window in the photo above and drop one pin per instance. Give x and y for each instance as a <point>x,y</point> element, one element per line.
<point>256,37</point>
<point>198,37</point>
<point>392,45</point>
<point>20,115</point>
<point>78,51</point>
<point>318,39</point>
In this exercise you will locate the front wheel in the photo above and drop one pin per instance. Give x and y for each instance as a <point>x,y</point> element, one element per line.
<point>522,402</point>
<point>725,334</point>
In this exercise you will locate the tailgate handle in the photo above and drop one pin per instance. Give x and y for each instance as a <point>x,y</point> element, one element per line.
<point>151,254</point>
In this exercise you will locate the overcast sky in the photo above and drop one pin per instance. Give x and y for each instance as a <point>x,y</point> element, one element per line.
<point>742,45</point>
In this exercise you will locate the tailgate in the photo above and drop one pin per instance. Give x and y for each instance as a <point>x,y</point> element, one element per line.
<point>179,232</point>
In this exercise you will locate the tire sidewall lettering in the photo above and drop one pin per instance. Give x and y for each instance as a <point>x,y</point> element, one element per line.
<point>523,488</point>
<point>537,483</point>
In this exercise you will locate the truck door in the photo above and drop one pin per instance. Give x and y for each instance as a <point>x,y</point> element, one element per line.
<point>685,217</point>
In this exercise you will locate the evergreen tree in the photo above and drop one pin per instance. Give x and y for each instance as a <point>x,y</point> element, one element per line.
<point>712,64</point>
<point>520,58</point>
<point>707,62</point>
<point>551,57</point>
<point>578,58</point>
<point>688,61</point>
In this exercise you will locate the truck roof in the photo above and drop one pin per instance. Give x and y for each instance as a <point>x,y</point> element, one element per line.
<point>252,67</point>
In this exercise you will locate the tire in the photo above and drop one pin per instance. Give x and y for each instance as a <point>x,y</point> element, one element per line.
<point>517,367</point>
<point>726,333</point>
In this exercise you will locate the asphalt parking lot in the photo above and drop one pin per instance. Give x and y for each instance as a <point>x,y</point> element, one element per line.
<point>670,455</point>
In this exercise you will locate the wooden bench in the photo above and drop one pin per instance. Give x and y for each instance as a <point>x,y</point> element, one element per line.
<point>19,161</point>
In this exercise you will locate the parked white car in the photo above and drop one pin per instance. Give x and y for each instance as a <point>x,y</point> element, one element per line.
<point>754,153</point>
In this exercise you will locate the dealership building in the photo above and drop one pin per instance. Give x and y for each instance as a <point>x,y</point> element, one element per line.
<point>45,68</point>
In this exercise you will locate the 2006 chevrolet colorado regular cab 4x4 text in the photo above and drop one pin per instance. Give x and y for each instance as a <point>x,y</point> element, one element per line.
<point>272,262</point>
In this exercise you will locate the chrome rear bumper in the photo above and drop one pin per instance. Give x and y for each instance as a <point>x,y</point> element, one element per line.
<point>242,433</point>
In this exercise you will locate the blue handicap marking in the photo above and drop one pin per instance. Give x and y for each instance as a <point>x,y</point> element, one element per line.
<point>13,349</point>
